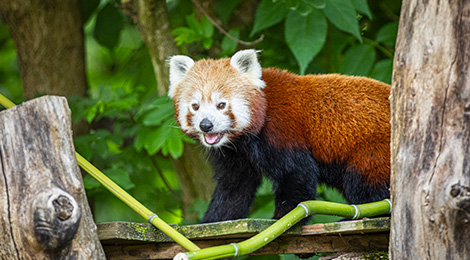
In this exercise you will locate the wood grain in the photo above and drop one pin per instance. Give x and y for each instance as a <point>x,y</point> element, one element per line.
<point>430,142</point>
<point>44,213</point>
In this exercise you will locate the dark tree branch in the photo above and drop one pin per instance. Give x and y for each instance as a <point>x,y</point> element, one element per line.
<point>222,30</point>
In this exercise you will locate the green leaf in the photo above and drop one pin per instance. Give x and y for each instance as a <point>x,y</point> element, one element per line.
<point>225,8</point>
<point>207,43</point>
<point>197,31</point>
<point>143,136</point>
<point>82,145</point>
<point>157,115</point>
<point>342,14</point>
<point>120,177</point>
<point>305,35</point>
<point>90,182</point>
<point>101,147</point>
<point>228,45</point>
<point>383,71</point>
<point>109,24</point>
<point>207,29</point>
<point>319,4</point>
<point>193,23</point>
<point>113,147</point>
<point>358,60</point>
<point>88,7</point>
<point>157,138</point>
<point>388,34</point>
<point>268,14</point>
<point>151,103</point>
<point>291,4</point>
<point>175,144</point>
<point>130,38</point>
<point>185,35</point>
<point>362,7</point>
<point>304,8</point>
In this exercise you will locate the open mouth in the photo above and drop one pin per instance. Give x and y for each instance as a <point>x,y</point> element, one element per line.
<point>213,138</point>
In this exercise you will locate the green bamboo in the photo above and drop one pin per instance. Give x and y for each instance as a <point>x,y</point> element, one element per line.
<point>124,196</point>
<point>303,210</point>
<point>135,205</point>
<point>5,102</point>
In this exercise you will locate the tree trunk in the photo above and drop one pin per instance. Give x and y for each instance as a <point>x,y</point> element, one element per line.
<point>49,40</point>
<point>430,108</point>
<point>151,18</point>
<point>44,213</point>
<point>153,23</point>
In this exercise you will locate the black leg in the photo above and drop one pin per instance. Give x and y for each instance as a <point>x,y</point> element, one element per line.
<point>236,187</point>
<point>356,190</point>
<point>290,191</point>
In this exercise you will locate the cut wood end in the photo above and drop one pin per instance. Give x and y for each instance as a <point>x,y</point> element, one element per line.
<point>181,256</point>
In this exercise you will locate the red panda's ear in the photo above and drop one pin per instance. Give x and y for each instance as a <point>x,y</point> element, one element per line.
<point>246,62</point>
<point>179,66</point>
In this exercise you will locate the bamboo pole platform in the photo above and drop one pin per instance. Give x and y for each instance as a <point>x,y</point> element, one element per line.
<point>127,240</point>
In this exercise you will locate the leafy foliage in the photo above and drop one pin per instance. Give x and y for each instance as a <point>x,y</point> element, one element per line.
<point>133,131</point>
<point>133,135</point>
<point>195,32</point>
<point>109,23</point>
<point>305,30</point>
<point>10,80</point>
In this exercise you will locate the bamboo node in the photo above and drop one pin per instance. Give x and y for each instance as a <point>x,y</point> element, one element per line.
<point>151,217</point>
<point>236,249</point>
<point>180,256</point>
<point>356,213</point>
<point>307,213</point>
<point>389,202</point>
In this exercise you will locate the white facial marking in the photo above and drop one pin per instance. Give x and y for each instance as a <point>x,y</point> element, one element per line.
<point>179,67</point>
<point>246,62</point>
<point>241,111</point>
<point>221,121</point>
<point>219,117</point>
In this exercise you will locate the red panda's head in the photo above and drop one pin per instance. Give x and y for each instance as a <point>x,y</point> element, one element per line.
<point>218,100</point>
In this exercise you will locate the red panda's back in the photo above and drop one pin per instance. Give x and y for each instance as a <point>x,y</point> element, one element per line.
<point>342,119</point>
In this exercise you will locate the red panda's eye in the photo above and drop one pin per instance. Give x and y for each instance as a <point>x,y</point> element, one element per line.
<point>221,105</point>
<point>195,107</point>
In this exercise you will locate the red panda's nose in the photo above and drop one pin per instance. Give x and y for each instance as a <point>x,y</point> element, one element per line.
<point>206,125</point>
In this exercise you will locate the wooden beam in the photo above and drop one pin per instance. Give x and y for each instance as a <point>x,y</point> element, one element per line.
<point>128,232</point>
<point>123,240</point>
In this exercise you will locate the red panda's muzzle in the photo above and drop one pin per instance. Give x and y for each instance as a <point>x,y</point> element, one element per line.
<point>212,138</point>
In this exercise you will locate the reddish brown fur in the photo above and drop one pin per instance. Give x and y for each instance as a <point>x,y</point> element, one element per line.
<point>342,119</point>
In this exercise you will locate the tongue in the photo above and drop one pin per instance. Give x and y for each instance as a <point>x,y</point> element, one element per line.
<point>212,138</point>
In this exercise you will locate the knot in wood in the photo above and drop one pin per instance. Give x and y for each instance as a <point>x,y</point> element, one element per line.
<point>63,207</point>
<point>455,190</point>
<point>56,218</point>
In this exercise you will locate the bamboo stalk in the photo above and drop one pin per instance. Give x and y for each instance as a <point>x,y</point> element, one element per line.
<point>303,210</point>
<point>136,205</point>
<point>5,102</point>
<point>124,196</point>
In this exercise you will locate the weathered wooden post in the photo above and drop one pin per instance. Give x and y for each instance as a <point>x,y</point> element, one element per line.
<point>44,213</point>
<point>430,104</point>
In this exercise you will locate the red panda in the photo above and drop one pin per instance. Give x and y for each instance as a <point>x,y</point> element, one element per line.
<point>297,131</point>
